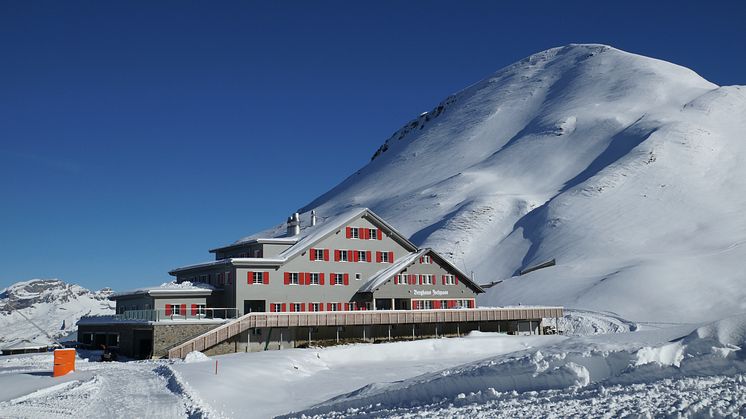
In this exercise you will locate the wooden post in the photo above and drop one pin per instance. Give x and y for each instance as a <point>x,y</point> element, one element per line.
<point>389,332</point>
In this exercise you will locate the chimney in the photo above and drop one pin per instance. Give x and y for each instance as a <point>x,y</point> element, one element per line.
<point>313,218</point>
<point>293,225</point>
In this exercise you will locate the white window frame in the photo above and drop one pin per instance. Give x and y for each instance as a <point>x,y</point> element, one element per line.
<point>385,257</point>
<point>315,307</point>
<point>335,307</point>
<point>372,234</point>
<point>277,307</point>
<point>176,310</point>
<point>427,279</point>
<point>361,256</point>
<point>427,304</point>
<point>339,279</point>
<point>318,254</point>
<point>257,275</point>
<point>296,307</point>
<point>450,280</point>
<point>294,278</point>
<point>354,233</point>
<point>401,279</point>
<point>344,255</point>
<point>358,276</point>
<point>314,278</point>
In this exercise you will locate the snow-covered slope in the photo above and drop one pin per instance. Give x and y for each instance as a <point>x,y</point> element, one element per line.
<point>626,169</point>
<point>53,305</point>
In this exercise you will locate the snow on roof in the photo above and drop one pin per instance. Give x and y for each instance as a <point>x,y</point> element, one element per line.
<point>308,235</point>
<point>384,274</point>
<point>170,288</point>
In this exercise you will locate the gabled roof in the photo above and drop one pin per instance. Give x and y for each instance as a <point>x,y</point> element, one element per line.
<point>380,277</point>
<point>308,236</point>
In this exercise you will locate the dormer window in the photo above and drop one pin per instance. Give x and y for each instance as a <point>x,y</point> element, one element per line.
<point>426,260</point>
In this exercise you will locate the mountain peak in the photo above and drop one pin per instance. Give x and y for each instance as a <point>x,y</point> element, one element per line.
<point>584,153</point>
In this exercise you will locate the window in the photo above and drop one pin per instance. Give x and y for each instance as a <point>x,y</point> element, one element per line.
<point>334,307</point>
<point>293,278</point>
<point>426,260</point>
<point>343,255</point>
<point>314,307</point>
<point>257,253</point>
<point>361,256</point>
<point>427,304</point>
<point>384,257</point>
<point>258,277</point>
<point>203,278</point>
<point>443,303</point>
<point>419,305</point>
<point>339,279</point>
<point>426,279</point>
<point>276,307</point>
<point>354,233</point>
<point>314,278</point>
<point>373,234</point>
<point>297,307</point>
<point>318,254</point>
<point>401,279</point>
<point>449,280</point>
<point>352,306</point>
<point>175,309</point>
<point>357,277</point>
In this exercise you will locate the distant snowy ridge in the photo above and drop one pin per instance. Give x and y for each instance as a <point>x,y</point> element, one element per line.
<point>629,171</point>
<point>52,304</point>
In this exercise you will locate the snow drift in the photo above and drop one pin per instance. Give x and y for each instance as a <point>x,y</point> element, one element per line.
<point>626,169</point>
<point>718,349</point>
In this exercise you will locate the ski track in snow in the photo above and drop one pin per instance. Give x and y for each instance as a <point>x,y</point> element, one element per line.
<point>132,390</point>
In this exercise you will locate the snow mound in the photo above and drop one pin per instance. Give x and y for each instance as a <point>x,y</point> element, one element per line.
<point>714,350</point>
<point>584,323</point>
<point>196,356</point>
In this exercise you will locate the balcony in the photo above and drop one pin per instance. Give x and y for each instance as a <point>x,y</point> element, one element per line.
<point>160,315</point>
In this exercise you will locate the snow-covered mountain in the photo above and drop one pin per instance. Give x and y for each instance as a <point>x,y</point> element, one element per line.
<point>628,170</point>
<point>52,304</point>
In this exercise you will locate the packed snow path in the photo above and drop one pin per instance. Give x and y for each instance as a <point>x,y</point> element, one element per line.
<point>133,390</point>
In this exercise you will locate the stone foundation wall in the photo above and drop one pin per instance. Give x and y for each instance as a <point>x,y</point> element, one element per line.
<point>166,336</point>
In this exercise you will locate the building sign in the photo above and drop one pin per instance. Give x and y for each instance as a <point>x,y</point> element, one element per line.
<point>422,293</point>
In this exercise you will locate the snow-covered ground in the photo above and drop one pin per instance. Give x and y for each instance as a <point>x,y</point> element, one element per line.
<point>666,370</point>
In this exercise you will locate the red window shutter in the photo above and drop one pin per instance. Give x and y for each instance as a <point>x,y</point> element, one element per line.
<point>420,279</point>
<point>347,279</point>
<point>391,257</point>
<point>271,308</point>
<point>380,235</point>
<point>284,308</point>
<point>287,278</point>
<point>421,259</point>
<point>436,304</point>
<point>471,303</point>
<point>312,254</point>
<point>349,232</point>
<point>292,307</point>
<point>347,307</point>
<point>194,309</point>
<point>328,306</point>
<point>302,306</point>
<point>354,256</point>
<point>451,303</point>
<point>266,278</point>
<point>364,233</point>
<point>168,309</point>
<point>367,256</point>
<point>183,310</point>
<point>326,255</point>
<point>337,255</point>
<point>378,257</point>
<point>250,277</point>
<point>456,279</point>
<point>321,279</point>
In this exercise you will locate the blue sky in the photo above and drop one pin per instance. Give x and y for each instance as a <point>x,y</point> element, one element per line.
<point>134,136</point>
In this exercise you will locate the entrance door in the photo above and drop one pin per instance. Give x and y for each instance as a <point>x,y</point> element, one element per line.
<point>253,306</point>
<point>143,343</point>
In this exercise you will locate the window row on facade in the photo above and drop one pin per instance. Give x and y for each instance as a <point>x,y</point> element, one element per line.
<point>316,307</point>
<point>424,279</point>
<point>350,255</point>
<point>440,304</point>
<point>363,233</point>
<point>183,310</point>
